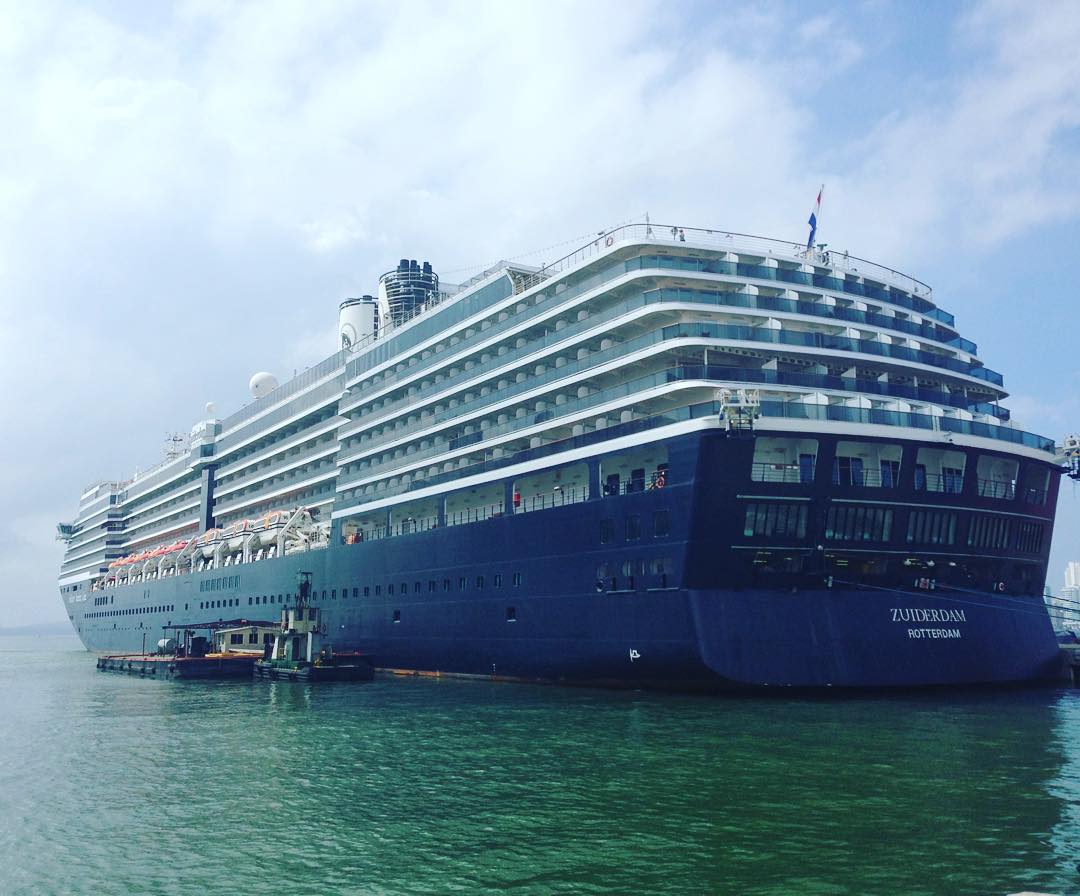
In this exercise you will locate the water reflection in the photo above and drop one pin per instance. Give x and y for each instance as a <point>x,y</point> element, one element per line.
<point>420,786</point>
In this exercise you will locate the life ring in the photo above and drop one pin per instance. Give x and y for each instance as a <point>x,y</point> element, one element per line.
<point>610,241</point>
<point>1000,586</point>
<point>660,481</point>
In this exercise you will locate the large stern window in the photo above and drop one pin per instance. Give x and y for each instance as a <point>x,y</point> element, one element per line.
<point>779,459</point>
<point>872,464</point>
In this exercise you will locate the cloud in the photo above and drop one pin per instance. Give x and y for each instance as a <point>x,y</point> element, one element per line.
<point>186,193</point>
<point>985,159</point>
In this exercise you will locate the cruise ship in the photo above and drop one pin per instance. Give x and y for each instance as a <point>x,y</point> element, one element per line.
<point>677,457</point>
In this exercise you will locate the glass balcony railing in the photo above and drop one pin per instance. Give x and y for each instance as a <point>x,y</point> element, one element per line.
<point>658,262</point>
<point>290,387</point>
<point>711,372</point>
<point>777,409</point>
<point>650,297</point>
<point>824,341</point>
<point>901,290</point>
<point>294,457</point>
<point>892,296</point>
<point>290,481</point>
<point>812,309</point>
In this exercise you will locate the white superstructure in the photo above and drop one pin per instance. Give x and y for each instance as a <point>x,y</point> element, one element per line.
<point>435,387</point>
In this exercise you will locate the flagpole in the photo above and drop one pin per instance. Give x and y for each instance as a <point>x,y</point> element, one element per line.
<point>813,222</point>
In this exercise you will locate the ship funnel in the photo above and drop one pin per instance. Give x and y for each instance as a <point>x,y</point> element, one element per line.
<point>407,290</point>
<point>358,321</point>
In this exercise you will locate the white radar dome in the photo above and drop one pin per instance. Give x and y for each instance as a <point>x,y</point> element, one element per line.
<point>210,409</point>
<point>262,384</point>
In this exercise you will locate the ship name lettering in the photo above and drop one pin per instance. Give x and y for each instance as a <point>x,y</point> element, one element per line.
<point>927,614</point>
<point>916,633</point>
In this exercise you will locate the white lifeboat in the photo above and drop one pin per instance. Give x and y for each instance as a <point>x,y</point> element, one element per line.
<point>207,542</point>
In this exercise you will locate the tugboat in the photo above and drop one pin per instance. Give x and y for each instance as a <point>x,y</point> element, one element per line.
<point>299,652</point>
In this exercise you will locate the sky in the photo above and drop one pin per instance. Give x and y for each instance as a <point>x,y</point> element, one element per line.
<point>188,191</point>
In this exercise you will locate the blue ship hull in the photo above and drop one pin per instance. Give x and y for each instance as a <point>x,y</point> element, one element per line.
<point>541,596</point>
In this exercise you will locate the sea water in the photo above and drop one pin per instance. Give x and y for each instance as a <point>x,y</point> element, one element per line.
<point>112,784</point>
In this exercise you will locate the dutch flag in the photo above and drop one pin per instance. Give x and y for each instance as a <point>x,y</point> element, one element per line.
<point>813,219</point>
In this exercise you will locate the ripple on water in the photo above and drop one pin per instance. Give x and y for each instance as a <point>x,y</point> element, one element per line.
<point>115,784</point>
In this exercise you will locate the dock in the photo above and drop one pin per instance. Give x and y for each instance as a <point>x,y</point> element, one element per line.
<point>211,666</point>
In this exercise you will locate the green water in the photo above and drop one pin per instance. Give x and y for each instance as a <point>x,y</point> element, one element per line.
<point>111,784</point>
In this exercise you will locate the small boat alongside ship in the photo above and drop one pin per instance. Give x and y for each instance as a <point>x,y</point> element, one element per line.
<point>300,650</point>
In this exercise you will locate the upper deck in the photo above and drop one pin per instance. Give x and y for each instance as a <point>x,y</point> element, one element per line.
<point>637,327</point>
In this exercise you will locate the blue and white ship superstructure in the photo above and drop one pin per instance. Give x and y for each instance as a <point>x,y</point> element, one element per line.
<point>677,457</point>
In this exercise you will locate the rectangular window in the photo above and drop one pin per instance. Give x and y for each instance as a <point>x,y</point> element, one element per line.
<point>633,527</point>
<point>890,473</point>
<point>511,614</point>
<point>787,520</point>
<point>461,583</point>
<point>607,531</point>
<point>1036,485</point>
<point>479,582</point>
<point>784,460</point>
<point>1030,537</point>
<point>988,531</point>
<point>996,476</point>
<point>431,585</point>
<point>952,480</point>
<point>661,523</point>
<point>397,615</point>
<point>367,591</point>
<point>497,580</point>
<point>390,588</point>
<point>931,527</point>
<point>847,522</point>
<point>517,579</point>
<point>445,584</point>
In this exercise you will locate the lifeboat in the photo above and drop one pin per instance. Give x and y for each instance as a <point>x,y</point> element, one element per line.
<point>269,527</point>
<point>206,542</point>
<point>236,533</point>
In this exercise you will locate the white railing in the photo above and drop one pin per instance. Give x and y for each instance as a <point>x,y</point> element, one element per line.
<point>733,242</point>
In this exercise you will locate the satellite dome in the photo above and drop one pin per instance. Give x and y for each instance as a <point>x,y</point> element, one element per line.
<point>262,384</point>
<point>210,409</point>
